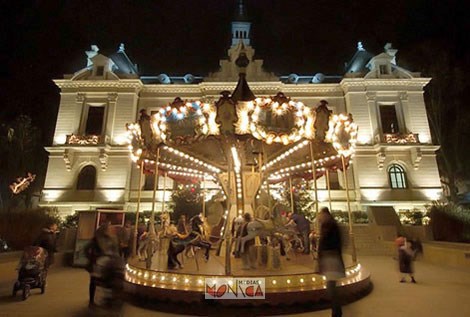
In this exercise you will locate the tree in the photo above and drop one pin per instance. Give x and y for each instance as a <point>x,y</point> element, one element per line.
<point>187,199</point>
<point>447,113</point>
<point>21,152</point>
<point>303,201</point>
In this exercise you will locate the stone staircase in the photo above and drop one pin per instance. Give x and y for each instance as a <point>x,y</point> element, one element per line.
<point>367,240</point>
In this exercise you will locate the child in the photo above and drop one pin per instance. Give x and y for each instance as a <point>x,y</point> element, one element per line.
<point>405,260</point>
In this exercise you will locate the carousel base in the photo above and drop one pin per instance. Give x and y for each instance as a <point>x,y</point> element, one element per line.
<point>293,282</point>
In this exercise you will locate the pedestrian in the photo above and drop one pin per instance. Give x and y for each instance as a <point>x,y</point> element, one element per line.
<point>248,255</point>
<point>303,226</point>
<point>406,256</point>
<point>104,264</point>
<point>124,237</point>
<point>47,240</point>
<point>330,257</point>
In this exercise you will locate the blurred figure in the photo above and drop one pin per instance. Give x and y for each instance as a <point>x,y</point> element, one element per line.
<point>47,240</point>
<point>237,224</point>
<point>142,241</point>
<point>330,258</point>
<point>406,256</point>
<point>179,242</point>
<point>303,226</point>
<point>248,255</point>
<point>182,226</point>
<point>105,266</point>
<point>175,247</point>
<point>313,243</point>
<point>124,237</point>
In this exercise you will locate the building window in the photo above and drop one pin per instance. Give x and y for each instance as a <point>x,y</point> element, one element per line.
<point>334,181</point>
<point>149,181</point>
<point>397,176</point>
<point>388,119</point>
<point>95,119</point>
<point>99,70</point>
<point>87,178</point>
<point>383,69</point>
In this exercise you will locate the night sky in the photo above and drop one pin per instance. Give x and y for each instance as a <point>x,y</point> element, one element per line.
<point>41,40</point>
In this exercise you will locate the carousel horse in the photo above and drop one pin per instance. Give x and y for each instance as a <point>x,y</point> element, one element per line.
<point>292,238</point>
<point>195,238</point>
<point>149,243</point>
<point>263,229</point>
<point>237,225</point>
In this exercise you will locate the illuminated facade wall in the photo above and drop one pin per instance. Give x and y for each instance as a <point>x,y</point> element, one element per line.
<point>107,99</point>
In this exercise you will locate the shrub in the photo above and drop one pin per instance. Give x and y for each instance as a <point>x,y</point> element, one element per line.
<point>450,222</point>
<point>414,217</point>
<point>20,228</point>
<point>71,221</point>
<point>343,217</point>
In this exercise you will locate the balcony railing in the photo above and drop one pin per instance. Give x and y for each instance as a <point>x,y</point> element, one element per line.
<point>74,139</point>
<point>398,138</point>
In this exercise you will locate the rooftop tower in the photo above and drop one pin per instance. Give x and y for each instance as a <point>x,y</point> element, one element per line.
<point>241,26</point>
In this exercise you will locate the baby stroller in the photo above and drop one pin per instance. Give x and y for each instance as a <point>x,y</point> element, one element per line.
<point>32,271</point>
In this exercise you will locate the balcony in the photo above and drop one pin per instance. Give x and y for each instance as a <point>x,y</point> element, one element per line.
<point>398,138</point>
<point>73,139</point>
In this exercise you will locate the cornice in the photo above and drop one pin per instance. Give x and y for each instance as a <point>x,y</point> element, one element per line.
<point>119,84</point>
<point>362,82</point>
<point>372,149</point>
<point>256,87</point>
<point>114,150</point>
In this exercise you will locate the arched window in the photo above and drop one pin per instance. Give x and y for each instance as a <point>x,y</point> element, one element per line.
<point>87,178</point>
<point>397,176</point>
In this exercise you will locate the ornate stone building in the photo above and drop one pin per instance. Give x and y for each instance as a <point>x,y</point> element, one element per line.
<point>89,164</point>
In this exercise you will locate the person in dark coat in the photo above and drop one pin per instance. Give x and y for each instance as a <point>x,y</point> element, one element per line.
<point>104,262</point>
<point>125,240</point>
<point>330,258</point>
<point>48,240</point>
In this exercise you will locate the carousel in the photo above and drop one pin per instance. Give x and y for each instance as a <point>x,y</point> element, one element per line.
<point>245,146</point>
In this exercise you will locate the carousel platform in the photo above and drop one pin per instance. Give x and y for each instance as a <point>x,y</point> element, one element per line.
<point>293,281</point>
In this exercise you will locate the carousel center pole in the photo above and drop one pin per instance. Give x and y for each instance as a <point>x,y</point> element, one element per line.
<point>351,234</point>
<point>164,193</point>
<point>152,232</point>
<point>204,196</point>
<point>291,195</point>
<point>268,189</point>
<point>228,240</point>
<point>328,187</point>
<point>134,241</point>
<point>316,224</point>
<point>314,174</point>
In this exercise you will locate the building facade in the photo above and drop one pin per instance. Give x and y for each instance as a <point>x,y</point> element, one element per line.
<point>89,164</point>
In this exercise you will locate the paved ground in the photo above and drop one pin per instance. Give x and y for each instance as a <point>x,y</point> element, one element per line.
<point>440,292</point>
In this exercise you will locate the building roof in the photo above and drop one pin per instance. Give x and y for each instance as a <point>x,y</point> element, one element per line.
<point>358,62</point>
<point>123,63</point>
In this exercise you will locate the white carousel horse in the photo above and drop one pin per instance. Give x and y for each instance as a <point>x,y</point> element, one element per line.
<point>291,238</point>
<point>261,228</point>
